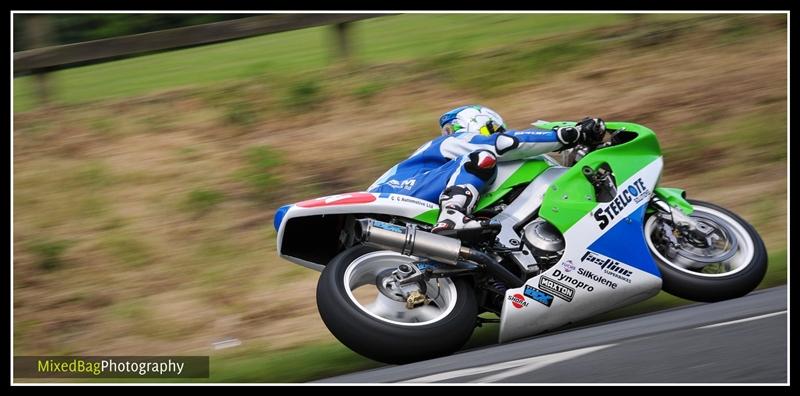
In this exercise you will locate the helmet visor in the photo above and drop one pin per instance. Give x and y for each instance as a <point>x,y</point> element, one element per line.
<point>450,128</point>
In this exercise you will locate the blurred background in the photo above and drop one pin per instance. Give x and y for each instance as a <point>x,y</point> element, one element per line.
<point>145,183</point>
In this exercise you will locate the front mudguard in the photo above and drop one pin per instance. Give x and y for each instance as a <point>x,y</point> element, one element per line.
<point>675,197</point>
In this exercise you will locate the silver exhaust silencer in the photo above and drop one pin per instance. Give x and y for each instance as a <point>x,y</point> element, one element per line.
<point>413,242</point>
<point>408,241</point>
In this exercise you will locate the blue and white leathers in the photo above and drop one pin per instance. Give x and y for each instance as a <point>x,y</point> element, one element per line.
<point>451,160</point>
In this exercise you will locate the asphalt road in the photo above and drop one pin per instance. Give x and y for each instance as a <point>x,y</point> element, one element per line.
<point>736,341</point>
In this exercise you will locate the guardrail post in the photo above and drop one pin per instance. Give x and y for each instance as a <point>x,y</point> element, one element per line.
<point>342,44</point>
<point>38,32</point>
<point>42,83</point>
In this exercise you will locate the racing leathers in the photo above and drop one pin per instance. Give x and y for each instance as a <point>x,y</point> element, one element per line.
<point>455,169</point>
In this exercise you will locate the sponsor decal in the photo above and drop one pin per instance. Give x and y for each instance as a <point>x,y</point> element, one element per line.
<point>609,266</point>
<point>341,199</point>
<point>533,132</point>
<point>428,265</point>
<point>635,192</point>
<point>538,295</point>
<point>407,199</point>
<point>568,265</point>
<point>405,184</point>
<point>556,288</point>
<point>389,227</point>
<point>577,283</point>
<point>518,301</point>
<point>597,278</point>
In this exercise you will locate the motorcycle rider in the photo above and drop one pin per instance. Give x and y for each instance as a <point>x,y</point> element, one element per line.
<point>455,168</point>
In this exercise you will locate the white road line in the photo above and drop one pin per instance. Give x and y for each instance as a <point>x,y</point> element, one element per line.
<point>742,320</point>
<point>519,366</point>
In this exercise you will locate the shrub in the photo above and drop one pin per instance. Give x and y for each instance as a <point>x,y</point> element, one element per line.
<point>201,201</point>
<point>50,252</point>
<point>260,171</point>
<point>366,92</point>
<point>303,94</point>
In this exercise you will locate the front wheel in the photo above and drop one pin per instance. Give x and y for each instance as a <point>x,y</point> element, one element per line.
<point>726,259</point>
<point>359,313</point>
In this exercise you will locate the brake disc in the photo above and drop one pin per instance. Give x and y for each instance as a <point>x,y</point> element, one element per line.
<point>715,232</point>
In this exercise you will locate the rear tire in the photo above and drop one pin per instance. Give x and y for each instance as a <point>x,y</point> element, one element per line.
<point>380,339</point>
<point>697,286</point>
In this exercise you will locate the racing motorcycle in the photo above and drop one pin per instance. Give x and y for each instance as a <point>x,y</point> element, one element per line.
<point>562,242</point>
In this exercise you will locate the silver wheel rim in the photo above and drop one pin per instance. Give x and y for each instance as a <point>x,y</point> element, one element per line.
<point>735,264</point>
<point>364,270</point>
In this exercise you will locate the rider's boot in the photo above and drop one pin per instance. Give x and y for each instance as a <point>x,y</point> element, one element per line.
<point>457,203</point>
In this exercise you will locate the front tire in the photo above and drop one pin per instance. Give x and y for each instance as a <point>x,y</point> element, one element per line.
<point>401,337</point>
<point>731,278</point>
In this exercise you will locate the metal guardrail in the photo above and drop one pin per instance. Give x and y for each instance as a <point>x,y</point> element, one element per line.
<point>39,61</point>
<point>60,55</point>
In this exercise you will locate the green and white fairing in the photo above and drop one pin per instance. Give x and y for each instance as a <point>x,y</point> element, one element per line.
<point>606,262</point>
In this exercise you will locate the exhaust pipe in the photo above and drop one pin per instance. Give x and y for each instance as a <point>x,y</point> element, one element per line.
<point>410,241</point>
<point>500,272</point>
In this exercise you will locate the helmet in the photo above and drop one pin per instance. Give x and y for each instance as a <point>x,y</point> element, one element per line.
<point>474,118</point>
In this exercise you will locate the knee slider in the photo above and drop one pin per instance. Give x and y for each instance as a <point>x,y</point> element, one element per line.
<point>482,163</point>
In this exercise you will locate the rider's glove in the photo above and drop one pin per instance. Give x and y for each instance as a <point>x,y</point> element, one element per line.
<point>588,131</point>
<point>568,136</point>
<point>591,131</point>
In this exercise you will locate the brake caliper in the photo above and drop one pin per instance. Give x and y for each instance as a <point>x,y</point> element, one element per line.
<point>415,299</point>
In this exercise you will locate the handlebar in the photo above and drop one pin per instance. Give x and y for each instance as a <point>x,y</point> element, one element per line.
<point>613,133</point>
<point>573,155</point>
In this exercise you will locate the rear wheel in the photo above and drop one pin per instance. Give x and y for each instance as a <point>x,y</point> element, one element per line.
<point>353,302</point>
<point>726,259</point>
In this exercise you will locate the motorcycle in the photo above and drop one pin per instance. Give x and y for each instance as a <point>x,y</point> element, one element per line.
<point>564,242</point>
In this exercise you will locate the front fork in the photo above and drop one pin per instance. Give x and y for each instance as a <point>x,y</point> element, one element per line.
<point>671,205</point>
<point>673,198</point>
<point>685,234</point>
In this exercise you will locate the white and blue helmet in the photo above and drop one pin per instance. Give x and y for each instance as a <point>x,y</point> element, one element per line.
<point>473,118</point>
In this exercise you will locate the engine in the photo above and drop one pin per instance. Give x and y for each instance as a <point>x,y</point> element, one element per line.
<point>545,242</point>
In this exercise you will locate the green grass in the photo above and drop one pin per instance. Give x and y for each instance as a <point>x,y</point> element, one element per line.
<point>275,56</point>
<point>493,73</point>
